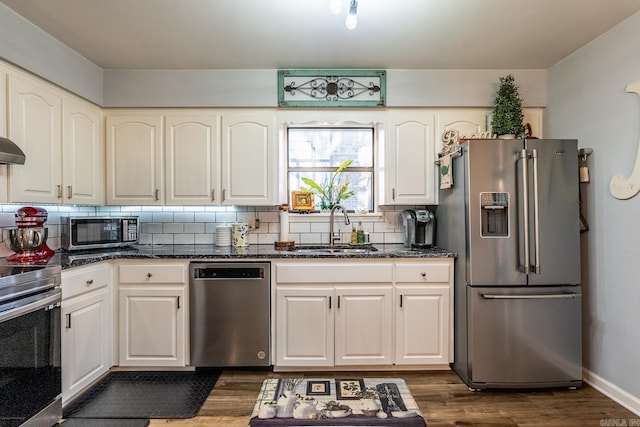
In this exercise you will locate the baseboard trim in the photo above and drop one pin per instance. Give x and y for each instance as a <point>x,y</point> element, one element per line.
<point>612,391</point>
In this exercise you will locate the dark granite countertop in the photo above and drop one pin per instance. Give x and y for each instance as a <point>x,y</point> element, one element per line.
<point>211,252</point>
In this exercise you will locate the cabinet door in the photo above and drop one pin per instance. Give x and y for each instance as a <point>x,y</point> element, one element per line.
<point>191,152</point>
<point>35,119</point>
<point>533,116</point>
<point>86,341</point>
<point>466,122</point>
<point>249,158</point>
<point>422,325</point>
<point>134,160</point>
<point>83,153</point>
<point>152,327</point>
<point>411,176</point>
<point>304,326</point>
<point>363,334</point>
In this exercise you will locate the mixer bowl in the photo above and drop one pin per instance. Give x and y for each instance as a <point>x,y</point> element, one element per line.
<point>26,239</point>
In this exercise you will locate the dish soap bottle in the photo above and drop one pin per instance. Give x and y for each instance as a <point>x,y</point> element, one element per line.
<point>354,235</point>
<point>360,233</point>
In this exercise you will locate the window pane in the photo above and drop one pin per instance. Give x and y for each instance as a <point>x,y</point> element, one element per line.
<point>361,183</point>
<point>327,147</point>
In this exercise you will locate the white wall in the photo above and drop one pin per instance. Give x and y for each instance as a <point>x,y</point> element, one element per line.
<point>587,101</point>
<point>258,88</point>
<point>26,46</point>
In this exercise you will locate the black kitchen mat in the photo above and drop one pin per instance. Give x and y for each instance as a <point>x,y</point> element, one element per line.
<point>105,422</point>
<point>147,394</point>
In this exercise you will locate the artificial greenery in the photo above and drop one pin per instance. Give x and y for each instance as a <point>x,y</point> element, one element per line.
<point>332,190</point>
<point>507,114</point>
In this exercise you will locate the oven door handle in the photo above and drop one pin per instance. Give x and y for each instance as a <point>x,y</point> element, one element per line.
<point>47,300</point>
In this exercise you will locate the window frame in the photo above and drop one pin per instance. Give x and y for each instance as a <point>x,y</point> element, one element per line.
<point>374,170</point>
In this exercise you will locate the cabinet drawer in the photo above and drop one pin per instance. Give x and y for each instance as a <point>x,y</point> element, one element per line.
<point>334,273</point>
<point>85,279</point>
<point>422,273</point>
<point>140,273</point>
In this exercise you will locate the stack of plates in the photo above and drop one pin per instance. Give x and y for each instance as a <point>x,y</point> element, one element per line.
<point>223,235</point>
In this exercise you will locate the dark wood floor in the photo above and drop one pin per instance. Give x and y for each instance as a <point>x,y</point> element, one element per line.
<point>443,398</point>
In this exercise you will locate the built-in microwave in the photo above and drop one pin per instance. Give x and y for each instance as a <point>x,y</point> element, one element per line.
<point>90,232</point>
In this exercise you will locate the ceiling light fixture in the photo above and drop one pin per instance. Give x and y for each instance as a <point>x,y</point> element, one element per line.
<point>335,6</point>
<point>352,17</point>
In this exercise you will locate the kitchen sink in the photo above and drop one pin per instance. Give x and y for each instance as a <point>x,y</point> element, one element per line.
<point>335,250</point>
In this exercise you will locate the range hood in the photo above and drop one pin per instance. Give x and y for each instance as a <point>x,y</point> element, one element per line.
<point>10,152</point>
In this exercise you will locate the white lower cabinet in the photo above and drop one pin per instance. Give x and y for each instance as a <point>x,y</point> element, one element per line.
<point>328,314</point>
<point>423,322</point>
<point>363,328</point>
<point>305,324</point>
<point>334,314</point>
<point>152,314</point>
<point>87,332</point>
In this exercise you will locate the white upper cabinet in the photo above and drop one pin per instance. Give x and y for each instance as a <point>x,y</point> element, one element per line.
<point>410,158</point>
<point>466,122</point>
<point>534,116</point>
<point>192,146</point>
<point>35,120</point>
<point>249,158</point>
<point>82,153</point>
<point>202,157</point>
<point>134,158</point>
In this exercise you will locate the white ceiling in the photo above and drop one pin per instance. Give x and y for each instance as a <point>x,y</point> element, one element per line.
<point>270,34</point>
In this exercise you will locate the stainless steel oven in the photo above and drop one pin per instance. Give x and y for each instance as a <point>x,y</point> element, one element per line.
<point>30,381</point>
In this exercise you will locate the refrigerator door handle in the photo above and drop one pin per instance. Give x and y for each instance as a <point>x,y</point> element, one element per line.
<point>536,216</point>
<point>543,296</point>
<point>525,207</point>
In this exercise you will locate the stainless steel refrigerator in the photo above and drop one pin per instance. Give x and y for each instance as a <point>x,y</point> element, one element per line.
<point>512,216</point>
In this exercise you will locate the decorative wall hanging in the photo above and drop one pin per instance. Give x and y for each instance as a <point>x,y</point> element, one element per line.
<point>619,186</point>
<point>332,88</point>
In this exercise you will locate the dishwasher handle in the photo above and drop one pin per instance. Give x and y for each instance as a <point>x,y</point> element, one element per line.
<point>228,273</point>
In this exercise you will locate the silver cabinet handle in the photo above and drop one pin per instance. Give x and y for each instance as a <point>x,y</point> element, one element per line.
<point>157,194</point>
<point>59,190</point>
<point>69,191</point>
<point>213,195</point>
<point>224,194</point>
<point>393,194</point>
<point>329,303</point>
<point>68,325</point>
<point>400,300</point>
<point>178,302</point>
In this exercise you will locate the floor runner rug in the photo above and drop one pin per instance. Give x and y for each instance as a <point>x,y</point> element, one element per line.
<point>146,394</point>
<point>105,422</point>
<point>398,408</point>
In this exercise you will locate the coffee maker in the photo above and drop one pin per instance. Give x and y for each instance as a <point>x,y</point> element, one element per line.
<point>419,228</point>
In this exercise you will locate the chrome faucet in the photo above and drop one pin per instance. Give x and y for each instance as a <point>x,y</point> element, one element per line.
<point>335,237</point>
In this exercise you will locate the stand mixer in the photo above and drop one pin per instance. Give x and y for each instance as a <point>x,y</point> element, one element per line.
<point>29,239</point>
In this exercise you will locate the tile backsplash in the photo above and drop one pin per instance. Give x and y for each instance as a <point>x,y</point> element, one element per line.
<point>197,224</point>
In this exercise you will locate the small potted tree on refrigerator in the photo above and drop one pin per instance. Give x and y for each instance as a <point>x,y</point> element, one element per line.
<point>507,119</point>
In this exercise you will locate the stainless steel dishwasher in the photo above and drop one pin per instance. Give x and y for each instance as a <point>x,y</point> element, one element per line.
<point>229,306</point>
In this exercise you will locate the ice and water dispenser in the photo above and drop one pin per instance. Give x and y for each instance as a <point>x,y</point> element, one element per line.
<point>494,208</point>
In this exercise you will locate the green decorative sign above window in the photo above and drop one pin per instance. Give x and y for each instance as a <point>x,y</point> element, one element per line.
<point>332,88</point>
